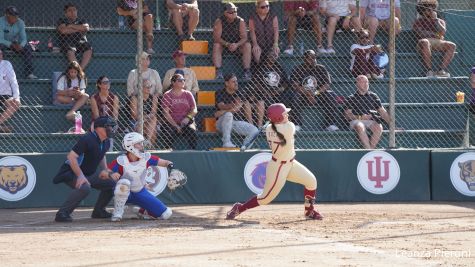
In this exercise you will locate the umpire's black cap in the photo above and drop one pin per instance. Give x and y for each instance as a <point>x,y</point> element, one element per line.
<point>104,122</point>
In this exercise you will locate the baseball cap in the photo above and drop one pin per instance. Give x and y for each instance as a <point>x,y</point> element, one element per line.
<point>178,53</point>
<point>104,121</point>
<point>177,71</point>
<point>11,10</point>
<point>230,7</point>
<point>309,52</point>
<point>144,55</point>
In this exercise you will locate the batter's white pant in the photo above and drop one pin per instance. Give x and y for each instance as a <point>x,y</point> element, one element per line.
<point>226,124</point>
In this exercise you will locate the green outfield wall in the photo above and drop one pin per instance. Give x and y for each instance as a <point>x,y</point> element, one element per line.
<point>218,177</point>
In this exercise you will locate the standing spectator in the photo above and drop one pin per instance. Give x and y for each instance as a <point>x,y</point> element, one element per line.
<point>150,74</point>
<point>362,54</point>
<point>229,104</point>
<point>430,31</point>
<point>306,79</point>
<point>184,9</point>
<point>264,30</point>
<point>13,37</point>
<point>340,14</point>
<point>71,89</point>
<point>229,31</point>
<point>9,93</point>
<point>364,111</point>
<point>191,82</point>
<point>104,102</point>
<point>72,35</point>
<point>129,9</point>
<point>302,15</point>
<point>179,110</point>
<point>375,13</point>
<point>150,108</point>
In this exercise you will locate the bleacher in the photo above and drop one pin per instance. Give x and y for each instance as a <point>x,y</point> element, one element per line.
<point>427,119</point>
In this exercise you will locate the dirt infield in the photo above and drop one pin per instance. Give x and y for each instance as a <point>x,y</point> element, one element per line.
<point>367,234</point>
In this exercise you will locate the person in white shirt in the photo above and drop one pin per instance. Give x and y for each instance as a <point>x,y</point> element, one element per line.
<point>191,82</point>
<point>149,74</point>
<point>9,93</point>
<point>375,13</point>
<point>71,89</point>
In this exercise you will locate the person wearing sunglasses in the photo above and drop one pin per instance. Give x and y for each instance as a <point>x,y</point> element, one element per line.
<point>264,31</point>
<point>104,102</point>
<point>362,55</point>
<point>229,34</point>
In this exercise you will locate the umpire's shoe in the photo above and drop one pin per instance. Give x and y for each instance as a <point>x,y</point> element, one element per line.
<point>100,214</point>
<point>62,217</point>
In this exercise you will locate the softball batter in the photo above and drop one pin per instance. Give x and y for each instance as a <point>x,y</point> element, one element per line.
<point>283,166</point>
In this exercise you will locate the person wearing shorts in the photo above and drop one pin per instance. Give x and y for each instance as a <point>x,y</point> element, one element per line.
<point>9,93</point>
<point>375,14</point>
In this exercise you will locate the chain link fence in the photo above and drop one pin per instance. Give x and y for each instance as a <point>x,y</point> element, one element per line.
<point>430,110</point>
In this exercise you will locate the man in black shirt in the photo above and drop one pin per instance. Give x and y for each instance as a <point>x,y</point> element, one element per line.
<point>364,111</point>
<point>80,171</point>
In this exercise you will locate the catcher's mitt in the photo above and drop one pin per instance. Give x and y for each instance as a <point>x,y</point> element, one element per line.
<point>176,178</point>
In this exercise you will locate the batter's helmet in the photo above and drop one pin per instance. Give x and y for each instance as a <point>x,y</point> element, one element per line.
<point>275,112</point>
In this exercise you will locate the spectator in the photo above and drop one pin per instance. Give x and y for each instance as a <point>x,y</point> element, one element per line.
<point>229,104</point>
<point>179,110</point>
<point>71,89</point>
<point>150,108</point>
<point>375,13</point>
<point>430,31</point>
<point>302,15</point>
<point>472,98</point>
<point>362,54</point>
<point>264,30</point>
<point>13,37</point>
<point>306,79</point>
<point>72,35</point>
<point>266,86</point>
<point>341,15</point>
<point>128,9</point>
<point>104,102</point>
<point>150,74</point>
<point>9,93</point>
<point>364,111</point>
<point>229,31</point>
<point>191,82</point>
<point>180,10</point>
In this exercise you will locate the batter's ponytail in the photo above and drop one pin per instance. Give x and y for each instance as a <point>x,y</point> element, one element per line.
<point>280,135</point>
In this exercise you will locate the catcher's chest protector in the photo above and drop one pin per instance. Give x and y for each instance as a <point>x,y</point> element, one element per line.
<point>135,171</point>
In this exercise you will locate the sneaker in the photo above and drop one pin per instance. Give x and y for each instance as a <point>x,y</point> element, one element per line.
<point>430,74</point>
<point>289,51</point>
<point>234,212</point>
<point>219,74</point>
<point>150,51</point>
<point>313,214</point>
<point>62,217</point>
<point>442,74</point>
<point>190,37</point>
<point>332,128</point>
<point>380,76</point>
<point>247,75</point>
<point>229,144</point>
<point>330,50</point>
<point>101,214</point>
<point>321,50</point>
<point>32,76</point>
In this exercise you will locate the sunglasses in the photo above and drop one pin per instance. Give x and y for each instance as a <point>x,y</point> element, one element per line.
<point>231,12</point>
<point>263,7</point>
<point>105,82</point>
<point>180,80</point>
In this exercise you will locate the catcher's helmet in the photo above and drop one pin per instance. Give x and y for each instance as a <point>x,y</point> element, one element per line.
<point>130,140</point>
<point>275,112</point>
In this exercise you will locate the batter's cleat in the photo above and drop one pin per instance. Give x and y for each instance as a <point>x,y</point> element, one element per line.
<point>313,214</point>
<point>234,212</point>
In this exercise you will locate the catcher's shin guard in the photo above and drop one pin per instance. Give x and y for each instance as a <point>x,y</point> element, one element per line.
<point>310,211</point>
<point>121,194</point>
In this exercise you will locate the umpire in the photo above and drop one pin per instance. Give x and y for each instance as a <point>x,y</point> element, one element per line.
<point>80,171</point>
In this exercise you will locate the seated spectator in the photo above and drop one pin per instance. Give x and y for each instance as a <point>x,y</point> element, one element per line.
<point>375,13</point>
<point>302,15</point>
<point>327,101</point>
<point>191,82</point>
<point>128,9</point>
<point>265,87</point>
<point>179,110</point>
<point>229,31</point>
<point>13,37</point>
<point>9,93</point>
<point>362,54</point>
<point>430,31</point>
<point>184,9</point>
<point>364,111</point>
<point>72,36</point>
<point>150,108</point>
<point>341,15</point>
<point>104,102</point>
<point>230,112</point>
<point>264,31</point>
<point>147,73</point>
<point>71,89</point>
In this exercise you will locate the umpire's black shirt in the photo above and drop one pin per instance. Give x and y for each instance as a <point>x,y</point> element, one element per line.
<point>91,151</point>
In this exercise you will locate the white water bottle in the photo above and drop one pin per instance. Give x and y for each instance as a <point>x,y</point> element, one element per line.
<point>78,123</point>
<point>121,22</point>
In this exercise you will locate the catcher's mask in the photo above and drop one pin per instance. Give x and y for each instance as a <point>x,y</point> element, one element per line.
<point>130,144</point>
<point>107,123</point>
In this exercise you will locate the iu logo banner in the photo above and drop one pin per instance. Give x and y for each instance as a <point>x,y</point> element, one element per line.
<point>17,178</point>
<point>462,174</point>
<point>378,172</point>
<point>255,172</point>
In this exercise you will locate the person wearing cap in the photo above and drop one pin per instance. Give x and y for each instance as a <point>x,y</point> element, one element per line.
<point>229,32</point>
<point>147,73</point>
<point>180,10</point>
<point>13,37</point>
<point>362,57</point>
<point>9,93</point>
<point>72,35</point>
<point>264,31</point>
<point>150,109</point>
<point>430,31</point>
<point>375,14</point>
<point>83,169</point>
<point>303,15</point>
<point>191,82</point>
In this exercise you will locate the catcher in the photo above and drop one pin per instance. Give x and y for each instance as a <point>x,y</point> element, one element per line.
<point>129,170</point>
